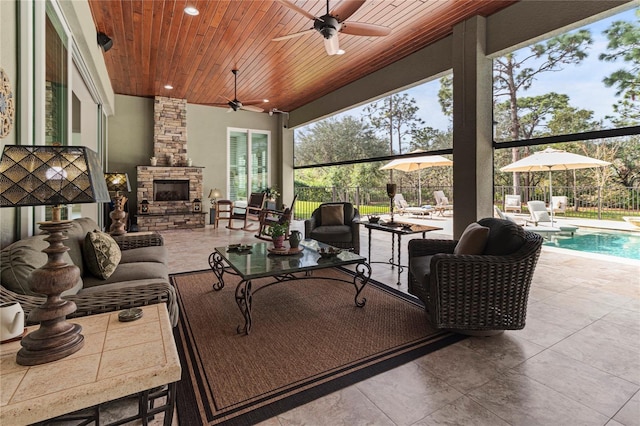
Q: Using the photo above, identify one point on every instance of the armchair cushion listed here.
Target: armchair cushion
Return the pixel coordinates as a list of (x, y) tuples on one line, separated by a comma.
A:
[(505, 237), (101, 253), (332, 214), (332, 234), (473, 240)]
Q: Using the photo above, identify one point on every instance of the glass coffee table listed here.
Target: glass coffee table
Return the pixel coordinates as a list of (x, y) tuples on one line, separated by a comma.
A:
[(258, 260)]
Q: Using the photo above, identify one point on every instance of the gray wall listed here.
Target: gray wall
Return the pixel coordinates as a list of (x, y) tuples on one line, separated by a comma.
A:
[(9, 62), (130, 140)]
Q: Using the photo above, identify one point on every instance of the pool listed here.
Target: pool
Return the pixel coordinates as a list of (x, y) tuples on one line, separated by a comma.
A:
[(612, 243)]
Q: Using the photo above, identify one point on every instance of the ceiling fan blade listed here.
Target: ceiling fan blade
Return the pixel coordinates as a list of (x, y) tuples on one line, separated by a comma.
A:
[(362, 29), (288, 36), (297, 9), (252, 108), (332, 45), (346, 8)]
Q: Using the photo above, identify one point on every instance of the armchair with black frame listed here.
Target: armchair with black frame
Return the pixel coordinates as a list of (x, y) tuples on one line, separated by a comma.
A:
[(480, 284), (270, 217), (337, 224)]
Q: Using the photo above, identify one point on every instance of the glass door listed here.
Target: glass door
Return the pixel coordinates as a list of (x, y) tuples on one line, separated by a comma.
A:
[(248, 162)]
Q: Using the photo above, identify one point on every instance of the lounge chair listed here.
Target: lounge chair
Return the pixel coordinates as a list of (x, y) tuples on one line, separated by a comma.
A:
[(512, 203), (442, 202), (539, 215), (559, 203), (501, 215), (403, 207)]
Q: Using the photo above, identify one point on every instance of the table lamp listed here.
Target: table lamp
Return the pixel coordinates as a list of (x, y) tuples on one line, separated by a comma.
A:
[(214, 194), (117, 182), (391, 192), (33, 175)]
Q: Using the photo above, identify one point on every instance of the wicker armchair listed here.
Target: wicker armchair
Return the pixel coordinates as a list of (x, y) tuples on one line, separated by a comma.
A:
[(473, 294), (95, 300), (345, 235)]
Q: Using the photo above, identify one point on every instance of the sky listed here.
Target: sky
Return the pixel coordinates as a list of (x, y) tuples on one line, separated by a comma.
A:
[(582, 82)]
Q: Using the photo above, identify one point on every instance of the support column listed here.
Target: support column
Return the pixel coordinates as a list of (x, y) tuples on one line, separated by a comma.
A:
[(472, 125)]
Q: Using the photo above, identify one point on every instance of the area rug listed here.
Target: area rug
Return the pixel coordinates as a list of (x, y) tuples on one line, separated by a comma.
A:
[(307, 340)]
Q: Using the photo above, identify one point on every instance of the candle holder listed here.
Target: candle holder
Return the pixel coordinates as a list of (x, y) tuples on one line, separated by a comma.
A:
[(391, 193)]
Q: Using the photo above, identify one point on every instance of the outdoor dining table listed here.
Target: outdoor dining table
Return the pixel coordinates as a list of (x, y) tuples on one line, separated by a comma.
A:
[(397, 229)]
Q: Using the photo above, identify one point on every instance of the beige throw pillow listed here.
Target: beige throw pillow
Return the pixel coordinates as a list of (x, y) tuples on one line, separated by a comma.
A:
[(473, 240), (332, 214), (101, 254)]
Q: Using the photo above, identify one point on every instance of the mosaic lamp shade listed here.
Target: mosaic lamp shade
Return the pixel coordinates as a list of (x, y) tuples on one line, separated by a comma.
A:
[(32, 175), (117, 182), (51, 175)]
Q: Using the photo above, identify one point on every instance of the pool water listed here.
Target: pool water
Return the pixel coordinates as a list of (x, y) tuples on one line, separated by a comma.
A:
[(612, 243)]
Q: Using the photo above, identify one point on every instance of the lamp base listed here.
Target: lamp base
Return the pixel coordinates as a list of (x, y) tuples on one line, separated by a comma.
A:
[(56, 338), (118, 216)]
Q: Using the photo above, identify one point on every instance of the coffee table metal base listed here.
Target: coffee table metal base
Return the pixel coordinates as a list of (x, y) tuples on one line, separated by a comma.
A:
[(245, 291)]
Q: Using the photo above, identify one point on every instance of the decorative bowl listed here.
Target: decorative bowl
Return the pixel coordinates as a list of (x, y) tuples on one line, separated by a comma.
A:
[(374, 219), (327, 253)]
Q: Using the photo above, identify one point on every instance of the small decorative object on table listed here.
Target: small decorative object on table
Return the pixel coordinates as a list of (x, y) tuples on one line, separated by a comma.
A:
[(239, 248), (278, 231), (329, 252), (294, 239), (130, 315), (373, 218)]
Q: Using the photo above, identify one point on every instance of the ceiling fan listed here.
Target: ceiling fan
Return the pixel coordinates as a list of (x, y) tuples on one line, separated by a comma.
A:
[(234, 104), (333, 22)]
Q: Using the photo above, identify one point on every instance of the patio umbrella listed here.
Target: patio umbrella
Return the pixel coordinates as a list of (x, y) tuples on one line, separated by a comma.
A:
[(417, 163), (553, 159)]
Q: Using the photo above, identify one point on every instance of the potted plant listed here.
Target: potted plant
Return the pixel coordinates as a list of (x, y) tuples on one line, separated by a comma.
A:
[(277, 232)]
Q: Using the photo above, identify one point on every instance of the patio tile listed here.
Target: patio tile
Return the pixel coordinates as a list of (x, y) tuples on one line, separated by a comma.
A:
[(560, 316), (463, 411), (544, 333), (408, 393), (506, 350), (629, 415), (624, 317), (592, 387), (520, 400), (579, 304)]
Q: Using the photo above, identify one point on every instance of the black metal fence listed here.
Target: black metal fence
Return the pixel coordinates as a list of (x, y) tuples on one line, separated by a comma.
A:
[(584, 202)]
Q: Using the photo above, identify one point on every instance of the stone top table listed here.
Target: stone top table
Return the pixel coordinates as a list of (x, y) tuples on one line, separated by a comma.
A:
[(118, 359)]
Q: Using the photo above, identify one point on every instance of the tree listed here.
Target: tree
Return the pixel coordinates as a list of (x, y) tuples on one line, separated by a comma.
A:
[(395, 115), (513, 74), (624, 43)]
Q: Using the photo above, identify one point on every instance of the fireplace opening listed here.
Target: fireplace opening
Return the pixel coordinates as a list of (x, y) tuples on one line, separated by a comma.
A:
[(170, 190)]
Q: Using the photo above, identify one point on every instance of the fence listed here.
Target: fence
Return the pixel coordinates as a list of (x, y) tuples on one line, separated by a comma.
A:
[(583, 202)]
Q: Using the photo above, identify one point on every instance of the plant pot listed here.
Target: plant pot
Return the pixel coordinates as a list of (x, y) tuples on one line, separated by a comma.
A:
[(278, 242)]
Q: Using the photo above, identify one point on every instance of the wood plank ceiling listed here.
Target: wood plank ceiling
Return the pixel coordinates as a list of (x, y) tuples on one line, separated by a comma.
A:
[(155, 43)]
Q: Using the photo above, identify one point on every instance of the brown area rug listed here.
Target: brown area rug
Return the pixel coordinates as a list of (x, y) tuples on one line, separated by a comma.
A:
[(308, 339)]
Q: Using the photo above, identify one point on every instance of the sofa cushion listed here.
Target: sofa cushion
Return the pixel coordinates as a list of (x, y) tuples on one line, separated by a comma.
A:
[(504, 237), (19, 259), (157, 254), (101, 254), (331, 214), (473, 240), (131, 272), (332, 233)]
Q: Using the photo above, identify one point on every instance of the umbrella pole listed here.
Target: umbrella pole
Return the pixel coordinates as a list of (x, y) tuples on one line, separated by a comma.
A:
[(419, 189), (551, 196)]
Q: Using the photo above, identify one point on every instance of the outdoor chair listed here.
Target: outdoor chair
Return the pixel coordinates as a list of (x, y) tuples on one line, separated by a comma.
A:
[(559, 203), (512, 203), (501, 215), (403, 207), (253, 209), (480, 284), (336, 224), (539, 215), (269, 217), (442, 202)]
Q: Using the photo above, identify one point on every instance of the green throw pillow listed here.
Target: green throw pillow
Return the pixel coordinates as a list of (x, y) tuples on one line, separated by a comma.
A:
[(101, 254)]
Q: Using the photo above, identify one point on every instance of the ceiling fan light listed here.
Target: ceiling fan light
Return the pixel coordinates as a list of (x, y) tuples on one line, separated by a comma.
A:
[(168, 86), (340, 52), (265, 100), (191, 10)]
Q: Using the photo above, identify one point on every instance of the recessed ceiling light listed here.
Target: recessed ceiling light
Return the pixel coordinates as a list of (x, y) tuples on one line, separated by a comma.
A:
[(190, 10), (265, 100), (340, 52), (168, 86)]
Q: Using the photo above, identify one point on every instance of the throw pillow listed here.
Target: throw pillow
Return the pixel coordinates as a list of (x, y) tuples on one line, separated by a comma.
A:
[(504, 237), (473, 240), (101, 254), (332, 214)]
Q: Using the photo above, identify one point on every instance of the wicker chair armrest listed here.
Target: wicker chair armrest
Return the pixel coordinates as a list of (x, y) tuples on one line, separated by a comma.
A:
[(309, 225), (130, 241), (426, 247), (107, 301)]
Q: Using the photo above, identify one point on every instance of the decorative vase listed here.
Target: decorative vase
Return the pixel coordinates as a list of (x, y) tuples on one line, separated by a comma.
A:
[(278, 242), (154, 161), (294, 239)]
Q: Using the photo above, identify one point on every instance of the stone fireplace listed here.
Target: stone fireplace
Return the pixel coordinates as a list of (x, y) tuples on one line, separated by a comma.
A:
[(171, 186)]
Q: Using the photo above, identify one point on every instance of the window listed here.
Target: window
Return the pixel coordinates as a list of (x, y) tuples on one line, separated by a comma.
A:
[(249, 156)]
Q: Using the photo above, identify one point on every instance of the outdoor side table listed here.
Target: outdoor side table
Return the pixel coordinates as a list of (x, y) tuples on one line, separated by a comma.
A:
[(397, 231)]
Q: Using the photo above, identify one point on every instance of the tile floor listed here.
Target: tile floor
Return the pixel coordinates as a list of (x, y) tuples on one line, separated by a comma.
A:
[(577, 362)]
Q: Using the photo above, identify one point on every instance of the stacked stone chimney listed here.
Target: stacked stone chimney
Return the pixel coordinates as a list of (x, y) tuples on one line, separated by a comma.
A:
[(170, 131)]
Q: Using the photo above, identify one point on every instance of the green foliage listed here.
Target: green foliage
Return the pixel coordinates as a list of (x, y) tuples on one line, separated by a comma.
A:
[(277, 229), (395, 116)]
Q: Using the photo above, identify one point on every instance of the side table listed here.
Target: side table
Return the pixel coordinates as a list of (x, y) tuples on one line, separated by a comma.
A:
[(118, 359)]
